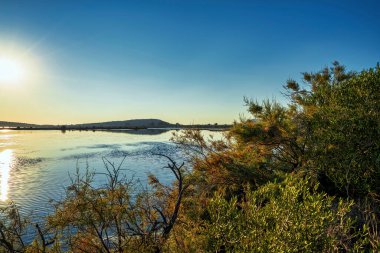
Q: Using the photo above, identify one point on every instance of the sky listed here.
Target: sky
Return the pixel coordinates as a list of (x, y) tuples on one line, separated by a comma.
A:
[(181, 61)]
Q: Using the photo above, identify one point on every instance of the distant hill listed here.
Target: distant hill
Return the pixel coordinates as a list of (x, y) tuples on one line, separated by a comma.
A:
[(124, 124), (17, 124), (133, 123)]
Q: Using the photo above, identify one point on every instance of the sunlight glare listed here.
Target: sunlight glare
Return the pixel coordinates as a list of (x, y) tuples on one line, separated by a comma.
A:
[(11, 71), (6, 158)]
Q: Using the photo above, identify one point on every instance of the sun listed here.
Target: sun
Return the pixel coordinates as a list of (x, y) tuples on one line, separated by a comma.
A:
[(11, 71)]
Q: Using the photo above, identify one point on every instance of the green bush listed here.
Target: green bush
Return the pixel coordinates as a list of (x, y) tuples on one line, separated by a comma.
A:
[(291, 216)]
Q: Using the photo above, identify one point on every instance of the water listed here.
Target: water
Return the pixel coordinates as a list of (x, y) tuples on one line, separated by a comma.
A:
[(35, 165)]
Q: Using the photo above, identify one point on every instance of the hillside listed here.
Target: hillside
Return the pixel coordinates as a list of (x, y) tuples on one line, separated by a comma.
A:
[(17, 124), (133, 123)]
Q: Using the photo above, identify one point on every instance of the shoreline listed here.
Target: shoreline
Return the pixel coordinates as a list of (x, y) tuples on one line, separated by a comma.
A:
[(219, 128)]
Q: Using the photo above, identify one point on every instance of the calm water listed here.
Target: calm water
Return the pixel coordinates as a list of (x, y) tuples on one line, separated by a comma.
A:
[(35, 165)]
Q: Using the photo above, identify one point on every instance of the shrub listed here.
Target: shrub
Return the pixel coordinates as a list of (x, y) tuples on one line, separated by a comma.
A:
[(291, 216)]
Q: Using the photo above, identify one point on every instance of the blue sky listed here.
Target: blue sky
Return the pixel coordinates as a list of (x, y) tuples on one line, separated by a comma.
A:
[(181, 61)]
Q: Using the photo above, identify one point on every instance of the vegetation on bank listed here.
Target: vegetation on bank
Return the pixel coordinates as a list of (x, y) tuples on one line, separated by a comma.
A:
[(302, 177)]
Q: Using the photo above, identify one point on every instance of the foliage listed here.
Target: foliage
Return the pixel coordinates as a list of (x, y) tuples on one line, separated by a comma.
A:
[(331, 128), (291, 216), (12, 228), (117, 217), (344, 114), (329, 131)]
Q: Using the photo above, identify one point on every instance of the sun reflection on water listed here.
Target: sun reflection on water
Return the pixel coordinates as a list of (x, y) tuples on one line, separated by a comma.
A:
[(6, 158)]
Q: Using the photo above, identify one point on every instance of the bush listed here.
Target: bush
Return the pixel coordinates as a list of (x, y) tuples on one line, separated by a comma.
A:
[(291, 216)]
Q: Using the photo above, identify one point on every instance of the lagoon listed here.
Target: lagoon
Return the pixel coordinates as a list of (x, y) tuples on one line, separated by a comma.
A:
[(35, 166)]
